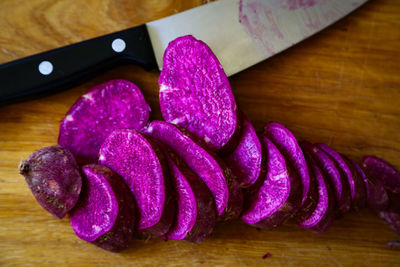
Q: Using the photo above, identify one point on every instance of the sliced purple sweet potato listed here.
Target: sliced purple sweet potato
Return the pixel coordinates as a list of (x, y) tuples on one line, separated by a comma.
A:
[(376, 195), (289, 147), (116, 104), (195, 94), (141, 164), (329, 170), (356, 185), (310, 204), (391, 218), (53, 176), (323, 214), (220, 180), (247, 160), (363, 177), (105, 213), (362, 190), (278, 195), (196, 214), (381, 170)]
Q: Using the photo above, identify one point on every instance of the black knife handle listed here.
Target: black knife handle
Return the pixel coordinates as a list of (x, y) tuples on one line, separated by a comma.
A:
[(66, 66)]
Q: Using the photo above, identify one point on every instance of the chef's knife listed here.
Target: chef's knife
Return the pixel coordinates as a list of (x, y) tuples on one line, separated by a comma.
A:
[(240, 32)]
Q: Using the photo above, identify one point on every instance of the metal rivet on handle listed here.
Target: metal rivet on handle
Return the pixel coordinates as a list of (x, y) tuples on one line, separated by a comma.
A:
[(45, 67), (118, 45)]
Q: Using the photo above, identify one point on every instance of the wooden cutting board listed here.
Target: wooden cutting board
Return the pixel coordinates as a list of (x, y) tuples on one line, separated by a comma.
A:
[(341, 87)]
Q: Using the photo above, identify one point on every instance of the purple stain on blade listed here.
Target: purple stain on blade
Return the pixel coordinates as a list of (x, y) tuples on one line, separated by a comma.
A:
[(259, 21), (312, 19), (297, 4)]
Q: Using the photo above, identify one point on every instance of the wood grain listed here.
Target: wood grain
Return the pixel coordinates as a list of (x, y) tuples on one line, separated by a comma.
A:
[(341, 87)]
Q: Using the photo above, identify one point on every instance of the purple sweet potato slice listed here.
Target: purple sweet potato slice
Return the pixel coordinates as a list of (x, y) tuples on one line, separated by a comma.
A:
[(247, 160), (279, 193), (220, 180), (195, 93), (289, 147), (361, 188), (105, 213), (356, 186), (310, 204), (391, 218), (196, 214), (116, 104), (364, 178), (53, 176), (331, 173), (381, 170), (141, 164), (376, 195), (323, 214)]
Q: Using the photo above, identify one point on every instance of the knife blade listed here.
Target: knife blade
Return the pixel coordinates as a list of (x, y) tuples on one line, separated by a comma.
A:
[(240, 32), (243, 33)]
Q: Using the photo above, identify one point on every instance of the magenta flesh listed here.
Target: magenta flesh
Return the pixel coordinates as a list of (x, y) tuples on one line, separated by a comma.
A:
[(116, 104), (195, 92), (196, 213), (331, 173), (53, 176), (278, 195), (105, 213), (323, 214), (289, 147), (246, 160), (392, 219), (341, 165), (196, 157), (354, 183), (140, 163)]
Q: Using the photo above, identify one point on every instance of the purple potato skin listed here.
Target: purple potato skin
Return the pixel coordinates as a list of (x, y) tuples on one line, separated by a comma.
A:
[(195, 94), (116, 104), (247, 161), (324, 213), (196, 213), (117, 233), (384, 171), (381, 170), (272, 200), (377, 197), (331, 173), (53, 176), (201, 162), (289, 147), (139, 161)]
